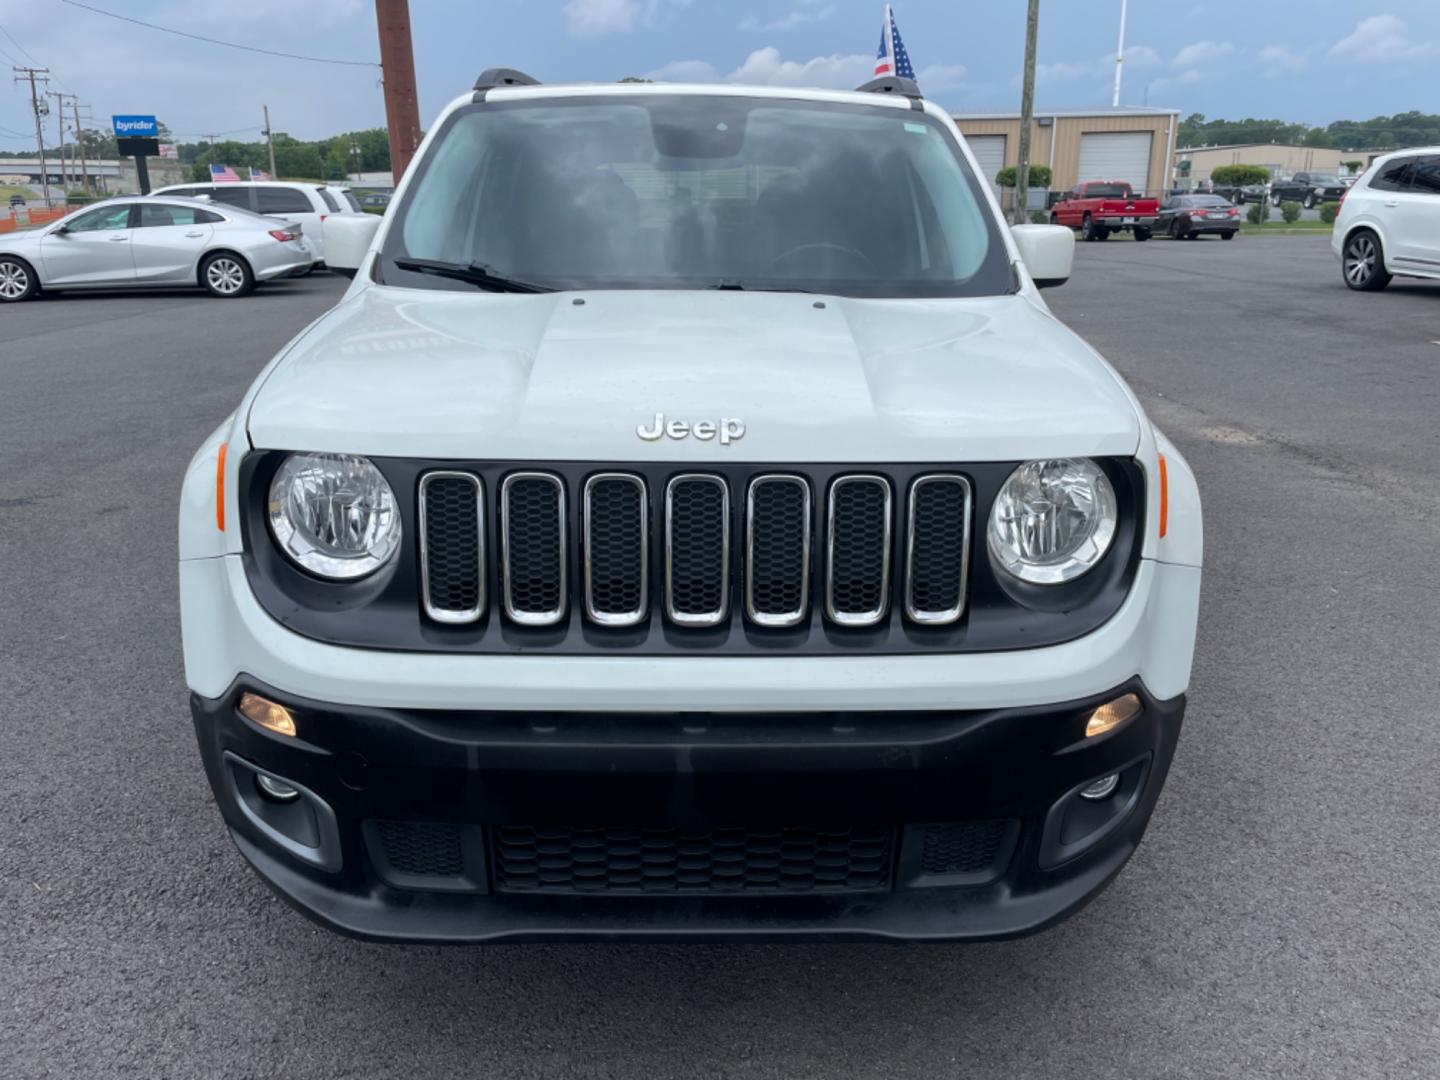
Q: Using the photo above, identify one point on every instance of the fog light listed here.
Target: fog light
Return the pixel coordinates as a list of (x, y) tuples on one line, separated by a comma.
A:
[(1111, 715), (268, 714), (1102, 788), (275, 790)]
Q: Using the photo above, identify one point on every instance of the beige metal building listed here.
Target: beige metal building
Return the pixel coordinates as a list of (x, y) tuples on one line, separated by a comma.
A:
[(1281, 159), (1091, 144)]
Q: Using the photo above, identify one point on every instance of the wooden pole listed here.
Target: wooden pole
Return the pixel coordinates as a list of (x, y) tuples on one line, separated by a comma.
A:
[(397, 60), (1027, 113), (270, 143)]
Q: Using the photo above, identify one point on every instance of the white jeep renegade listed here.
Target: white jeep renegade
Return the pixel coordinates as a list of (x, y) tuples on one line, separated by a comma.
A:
[(691, 522)]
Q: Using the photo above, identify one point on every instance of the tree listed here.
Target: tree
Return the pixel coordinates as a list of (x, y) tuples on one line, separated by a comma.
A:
[(1319, 137), (1040, 176), (1354, 166), (1239, 175)]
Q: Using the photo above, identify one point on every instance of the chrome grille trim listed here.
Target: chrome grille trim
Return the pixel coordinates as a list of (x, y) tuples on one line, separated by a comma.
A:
[(876, 615), (797, 615), (445, 615), (950, 615), (708, 618), (618, 618), (531, 618)]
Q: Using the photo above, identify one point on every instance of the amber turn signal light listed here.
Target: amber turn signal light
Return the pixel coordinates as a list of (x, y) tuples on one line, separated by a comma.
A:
[(268, 714), (1112, 714)]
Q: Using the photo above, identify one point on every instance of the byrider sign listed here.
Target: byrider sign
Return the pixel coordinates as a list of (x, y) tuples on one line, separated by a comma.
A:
[(143, 127)]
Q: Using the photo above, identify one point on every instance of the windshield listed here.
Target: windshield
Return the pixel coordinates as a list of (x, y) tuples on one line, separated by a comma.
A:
[(1323, 178), (1107, 191), (1205, 200), (700, 191)]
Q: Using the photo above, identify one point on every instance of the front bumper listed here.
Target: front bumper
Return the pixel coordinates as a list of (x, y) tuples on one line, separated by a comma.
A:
[(1016, 771)]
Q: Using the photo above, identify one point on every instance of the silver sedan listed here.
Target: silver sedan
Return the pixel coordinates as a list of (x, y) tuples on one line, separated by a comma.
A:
[(156, 242)]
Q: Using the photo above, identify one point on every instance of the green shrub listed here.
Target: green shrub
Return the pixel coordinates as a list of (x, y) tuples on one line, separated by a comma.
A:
[(1290, 211), (1239, 175), (1039, 176), (1256, 213), (1328, 212), (1039, 217)]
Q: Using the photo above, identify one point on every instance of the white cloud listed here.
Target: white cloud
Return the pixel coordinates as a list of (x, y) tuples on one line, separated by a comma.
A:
[(806, 11), (1382, 39), (592, 18), (1202, 54), (766, 67), (685, 71), (940, 77), (1136, 57), (1277, 60), (595, 18)]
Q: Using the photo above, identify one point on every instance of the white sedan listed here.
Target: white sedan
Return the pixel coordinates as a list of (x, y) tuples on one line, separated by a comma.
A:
[(151, 243)]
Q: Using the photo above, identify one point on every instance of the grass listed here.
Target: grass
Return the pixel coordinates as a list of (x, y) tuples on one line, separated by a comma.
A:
[(1280, 228)]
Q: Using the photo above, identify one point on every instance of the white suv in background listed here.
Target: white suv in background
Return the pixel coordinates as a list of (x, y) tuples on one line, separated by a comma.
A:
[(303, 204), (1389, 221)]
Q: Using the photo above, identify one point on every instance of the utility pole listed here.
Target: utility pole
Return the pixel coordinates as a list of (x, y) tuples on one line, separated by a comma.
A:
[(1027, 112), (59, 95), (397, 61), (31, 75), (80, 142), (1119, 56), (270, 143)]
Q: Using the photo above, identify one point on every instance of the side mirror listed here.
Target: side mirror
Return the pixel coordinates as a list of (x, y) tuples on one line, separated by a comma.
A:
[(347, 241), (1048, 252), (60, 230)]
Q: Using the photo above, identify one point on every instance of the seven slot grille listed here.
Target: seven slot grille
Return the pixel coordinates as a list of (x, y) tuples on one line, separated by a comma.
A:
[(769, 530)]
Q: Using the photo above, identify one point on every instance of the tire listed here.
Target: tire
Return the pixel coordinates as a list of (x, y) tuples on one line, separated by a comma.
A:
[(1309, 202), (1276, 198), (17, 280), (1088, 231), (1239, 199), (226, 276), (1363, 262), (1176, 233), (1141, 234), (1054, 219), (1227, 236)]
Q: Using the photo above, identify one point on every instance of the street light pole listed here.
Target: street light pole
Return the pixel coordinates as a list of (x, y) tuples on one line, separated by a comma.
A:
[(1027, 113)]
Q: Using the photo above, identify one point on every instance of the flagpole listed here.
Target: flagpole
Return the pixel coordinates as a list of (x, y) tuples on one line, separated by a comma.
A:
[(1119, 55)]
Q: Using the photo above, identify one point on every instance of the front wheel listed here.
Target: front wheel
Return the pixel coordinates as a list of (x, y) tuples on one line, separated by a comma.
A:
[(17, 280), (1227, 236), (1176, 232), (1309, 202), (1239, 198), (1276, 198), (1364, 263), (1054, 219), (1142, 233), (226, 275)]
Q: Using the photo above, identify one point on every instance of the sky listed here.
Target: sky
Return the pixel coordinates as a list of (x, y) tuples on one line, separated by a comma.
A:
[(1341, 59)]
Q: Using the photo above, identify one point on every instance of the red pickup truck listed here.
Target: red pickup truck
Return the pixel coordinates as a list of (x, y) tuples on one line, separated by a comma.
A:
[(1100, 207)]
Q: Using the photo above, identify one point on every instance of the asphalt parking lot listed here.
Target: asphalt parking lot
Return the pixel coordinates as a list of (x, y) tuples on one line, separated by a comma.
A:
[(1281, 919)]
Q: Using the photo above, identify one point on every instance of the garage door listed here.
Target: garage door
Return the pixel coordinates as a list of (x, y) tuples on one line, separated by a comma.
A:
[(989, 151), (1116, 155)]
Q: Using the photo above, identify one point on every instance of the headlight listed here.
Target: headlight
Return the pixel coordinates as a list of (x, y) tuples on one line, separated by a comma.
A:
[(1319, 191), (334, 515), (1053, 520)]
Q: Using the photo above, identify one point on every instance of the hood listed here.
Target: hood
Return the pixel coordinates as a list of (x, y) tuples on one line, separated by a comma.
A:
[(569, 376)]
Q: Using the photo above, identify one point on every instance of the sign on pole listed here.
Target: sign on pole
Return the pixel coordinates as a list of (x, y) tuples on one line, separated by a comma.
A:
[(141, 126)]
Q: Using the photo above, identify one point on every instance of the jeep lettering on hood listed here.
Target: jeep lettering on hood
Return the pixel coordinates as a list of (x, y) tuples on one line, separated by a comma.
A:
[(729, 429)]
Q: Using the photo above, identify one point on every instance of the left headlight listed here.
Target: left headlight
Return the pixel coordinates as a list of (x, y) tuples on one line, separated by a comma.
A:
[(1053, 520), (334, 515)]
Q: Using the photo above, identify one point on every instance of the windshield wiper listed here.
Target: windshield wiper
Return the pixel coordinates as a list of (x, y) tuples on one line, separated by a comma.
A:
[(477, 274), (736, 285)]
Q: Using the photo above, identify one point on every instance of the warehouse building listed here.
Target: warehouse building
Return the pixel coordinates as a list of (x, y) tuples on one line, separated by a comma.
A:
[(1131, 144), (1282, 159)]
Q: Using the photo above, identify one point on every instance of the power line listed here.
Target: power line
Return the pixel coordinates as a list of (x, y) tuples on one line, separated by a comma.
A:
[(217, 41), (17, 44)]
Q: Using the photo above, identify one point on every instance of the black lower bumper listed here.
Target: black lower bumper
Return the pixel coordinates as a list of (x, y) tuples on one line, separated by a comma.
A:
[(423, 825)]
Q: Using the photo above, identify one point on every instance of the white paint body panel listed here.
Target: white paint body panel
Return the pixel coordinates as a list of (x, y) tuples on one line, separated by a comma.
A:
[(448, 374)]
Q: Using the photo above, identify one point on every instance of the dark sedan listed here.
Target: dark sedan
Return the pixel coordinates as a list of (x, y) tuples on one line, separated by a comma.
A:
[(1308, 189), (1185, 217)]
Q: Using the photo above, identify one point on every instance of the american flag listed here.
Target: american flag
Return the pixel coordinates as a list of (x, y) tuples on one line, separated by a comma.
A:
[(223, 174), (892, 59), (260, 174)]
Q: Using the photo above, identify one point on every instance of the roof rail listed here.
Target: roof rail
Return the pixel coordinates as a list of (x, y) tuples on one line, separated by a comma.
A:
[(491, 78), (894, 84)]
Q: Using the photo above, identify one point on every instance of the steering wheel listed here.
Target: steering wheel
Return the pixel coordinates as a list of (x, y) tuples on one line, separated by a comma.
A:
[(854, 253)]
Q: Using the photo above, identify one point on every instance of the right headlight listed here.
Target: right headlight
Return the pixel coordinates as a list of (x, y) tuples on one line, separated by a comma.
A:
[(1053, 520), (334, 515)]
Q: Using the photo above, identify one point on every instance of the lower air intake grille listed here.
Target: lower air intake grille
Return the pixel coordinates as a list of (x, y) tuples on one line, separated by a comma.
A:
[(967, 847), (422, 849), (741, 860)]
